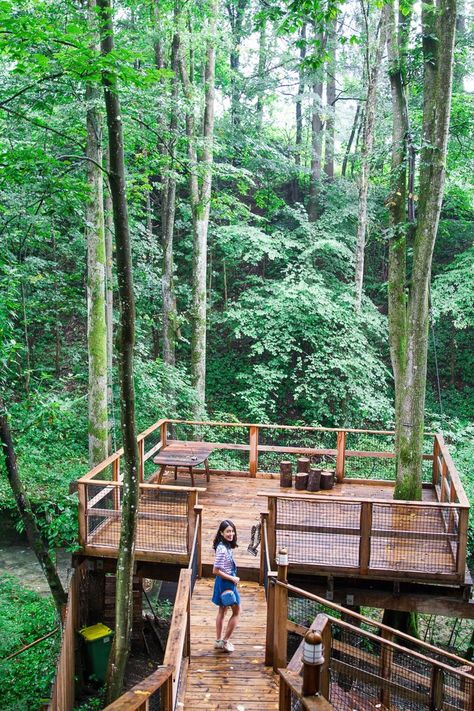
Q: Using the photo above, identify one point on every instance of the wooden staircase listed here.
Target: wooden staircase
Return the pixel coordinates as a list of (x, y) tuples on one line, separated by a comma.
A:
[(240, 680)]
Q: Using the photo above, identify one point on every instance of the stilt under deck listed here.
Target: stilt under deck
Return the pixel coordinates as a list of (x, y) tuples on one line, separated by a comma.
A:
[(239, 680)]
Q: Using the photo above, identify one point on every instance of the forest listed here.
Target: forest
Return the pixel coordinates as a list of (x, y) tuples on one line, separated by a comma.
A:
[(286, 181)]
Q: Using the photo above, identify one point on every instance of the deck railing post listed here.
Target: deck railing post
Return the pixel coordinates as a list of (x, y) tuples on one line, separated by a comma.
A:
[(198, 515), (436, 688), (141, 460), (253, 457), (463, 525), (164, 434), (192, 499), (386, 657), (271, 530), (116, 477), (436, 452), (365, 531), (167, 695), (280, 631), (284, 698), (82, 513), (263, 525), (341, 455), (270, 619)]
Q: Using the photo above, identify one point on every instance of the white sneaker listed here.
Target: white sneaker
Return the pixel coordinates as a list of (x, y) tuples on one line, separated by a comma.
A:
[(227, 646), (219, 644)]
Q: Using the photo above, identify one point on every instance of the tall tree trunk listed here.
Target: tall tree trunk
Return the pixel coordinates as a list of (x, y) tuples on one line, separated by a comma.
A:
[(262, 63), (109, 300), (316, 140), (408, 313), (96, 258), (316, 146), (236, 13), (126, 552), (200, 190), (351, 140), (299, 97), (170, 316), (27, 516), (372, 73), (330, 102)]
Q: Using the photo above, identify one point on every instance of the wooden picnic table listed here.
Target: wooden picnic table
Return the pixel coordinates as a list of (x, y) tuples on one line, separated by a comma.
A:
[(184, 454)]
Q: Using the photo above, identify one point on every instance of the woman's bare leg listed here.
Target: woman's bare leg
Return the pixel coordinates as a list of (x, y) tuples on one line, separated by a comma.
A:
[(220, 622), (232, 623)]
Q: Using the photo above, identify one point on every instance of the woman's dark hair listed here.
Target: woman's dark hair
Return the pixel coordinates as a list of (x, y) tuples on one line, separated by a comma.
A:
[(220, 538)]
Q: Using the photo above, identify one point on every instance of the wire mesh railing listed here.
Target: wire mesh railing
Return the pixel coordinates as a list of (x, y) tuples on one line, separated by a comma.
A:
[(368, 669), (370, 537), (164, 519)]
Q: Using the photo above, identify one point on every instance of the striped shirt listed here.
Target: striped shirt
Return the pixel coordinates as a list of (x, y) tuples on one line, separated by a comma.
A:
[(224, 559)]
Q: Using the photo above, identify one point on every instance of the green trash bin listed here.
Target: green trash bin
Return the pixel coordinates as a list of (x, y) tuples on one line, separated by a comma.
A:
[(98, 642)]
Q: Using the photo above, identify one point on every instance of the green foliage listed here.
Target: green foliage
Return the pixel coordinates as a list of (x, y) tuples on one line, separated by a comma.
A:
[(25, 680)]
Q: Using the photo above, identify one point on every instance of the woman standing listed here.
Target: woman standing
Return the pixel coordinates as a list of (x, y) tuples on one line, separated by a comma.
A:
[(225, 593)]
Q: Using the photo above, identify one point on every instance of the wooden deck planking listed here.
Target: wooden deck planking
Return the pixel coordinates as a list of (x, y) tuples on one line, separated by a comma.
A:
[(240, 680)]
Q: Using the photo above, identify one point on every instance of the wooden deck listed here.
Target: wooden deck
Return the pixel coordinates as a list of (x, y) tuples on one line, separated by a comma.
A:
[(354, 529), (240, 680), (243, 499)]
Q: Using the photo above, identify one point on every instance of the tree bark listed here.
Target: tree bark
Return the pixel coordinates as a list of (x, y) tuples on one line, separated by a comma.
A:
[(316, 145), (262, 63), (351, 140), (109, 300), (126, 552), (96, 265), (200, 191), (236, 13), (330, 102), (408, 309), (366, 153), (299, 97), (27, 516), (170, 316)]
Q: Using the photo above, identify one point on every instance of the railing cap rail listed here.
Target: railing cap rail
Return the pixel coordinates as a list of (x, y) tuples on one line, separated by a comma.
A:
[(351, 500), (396, 633), (134, 699)]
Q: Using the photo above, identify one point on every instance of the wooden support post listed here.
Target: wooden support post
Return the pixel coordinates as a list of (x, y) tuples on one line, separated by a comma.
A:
[(436, 451), (167, 695), (263, 523), (437, 689), (386, 657), (253, 458), (365, 533), (164, 434), (192, 501), (270, 619), (82, 512), (272, 516), (341, 455), (284, 701), (141, 460), (198, 515), (116, 477), (463, 526), (280, 631)]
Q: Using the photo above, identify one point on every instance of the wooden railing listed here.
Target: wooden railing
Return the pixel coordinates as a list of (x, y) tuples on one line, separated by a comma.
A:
[(376, 538), (170, 679), (377, 524), (361, 655), (138, 698), (63, 690)]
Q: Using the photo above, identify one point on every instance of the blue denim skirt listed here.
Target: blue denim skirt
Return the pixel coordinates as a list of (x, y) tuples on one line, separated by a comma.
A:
[(219, 586)]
